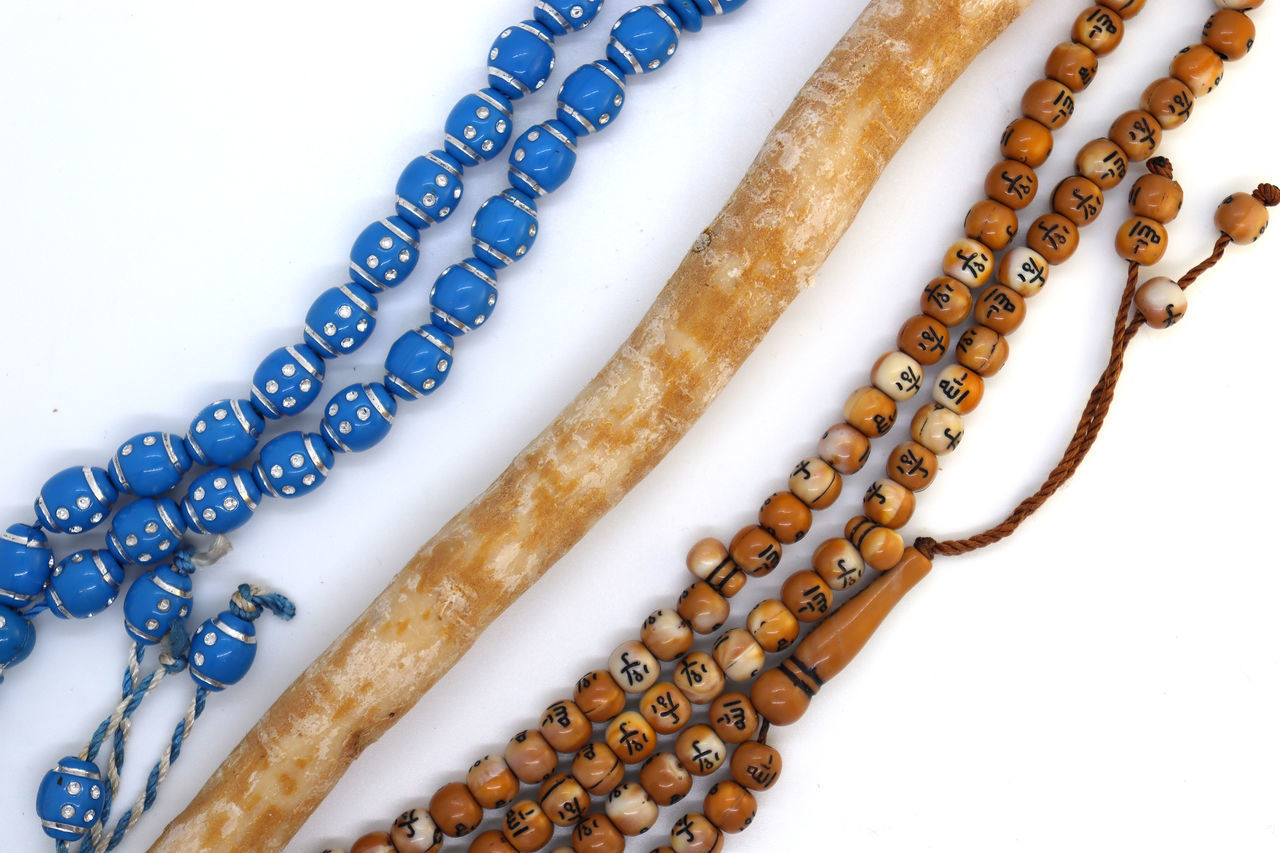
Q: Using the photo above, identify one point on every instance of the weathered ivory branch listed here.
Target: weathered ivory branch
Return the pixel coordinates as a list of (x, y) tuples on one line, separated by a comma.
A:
[(799, 196)]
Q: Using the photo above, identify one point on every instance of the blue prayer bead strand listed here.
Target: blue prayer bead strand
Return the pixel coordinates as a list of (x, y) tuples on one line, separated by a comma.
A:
[(149, 464), (504, 228), (687, 12), (145, 531), (418, 362), (69, 800), (26, 561), (17, 637), (384, 254), (543, 158), (220, 500), (718, 7), (430, 188), (224, 432), (592, 96), (564, 16), (644, 39), (287, 381), (83, 584), (340, 320), (75, 499), (358, 417), (154, 601), (479, 127), (463, 297), (521, 59), (293, 464)]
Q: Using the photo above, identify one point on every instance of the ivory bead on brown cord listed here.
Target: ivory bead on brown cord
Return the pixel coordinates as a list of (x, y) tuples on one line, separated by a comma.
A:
[(946, 300), (1103, 162), (1199, 67), (772, 625), (1027, 141), (843, 448), (635, 669), (526, 826), (664, 778), (597, 768), (1155, 197), (733, 717), (910, 464), (666, 708), (564, 726), (530, 757), (631, 737), (806, 595), (889, 503), (924, 338), (703, 608), (1242, 217), (1229, 33), (1137, 133), (667, 635), (1000, 308), (785, 517), (563, 799), (1169, 100), (1011, 183), (1072, 64), (709, 560), (599, 696), (991, 223), (492, 782), (1098, 28), (374, 842), (1078, 199), (454, 810), (983, 350), (1054, 236), (1161, 302), (1142, 240), (838, 563), (693, 833), (729, 806), (897, 375), (415, 832), (755, 550), (937, 428), (738, 654), (631, 809), (959, 389), (1050, 103), (597, 834), (969, 262), (881, 547), (490, 841), (1024, 269), (870, 411), (815, 483), (700, 750), (699, 677)]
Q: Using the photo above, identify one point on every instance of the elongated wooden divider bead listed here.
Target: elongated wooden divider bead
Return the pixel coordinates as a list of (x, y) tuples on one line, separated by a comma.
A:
[(667, 635), (738, 654), (815, 483), (1050, 103), (1241, 217), (666, 708), (889, 503), (924, 338), (703, 608), (946, 300), (527, 827), (1169, 100), (597, 834), (1137, 133), (415, 832), (773, 625), (699, 677), (1026, 141), (597, 768), (700, 750), (982, 350), (1099, 29), (631, 809), (693, 833), (968, 261), (1142, 240), (1155, 197), (1161, 302), (1103, 162), (729, 806), (599, 696), (756, 766), (782, 694), (454, 810), (1199, 67), (490, 841), (563, 799), (959, 389), (565, 727), (665, 779), (1229, 33), (374, 842), (733, 717), (870, 411), (785, 517), (755, 550), (1078, 199), (991, 223), (530, 757), (1054, 236), (492, 782), (838, 563), (631, 737), (1072, 64), (844, 449)]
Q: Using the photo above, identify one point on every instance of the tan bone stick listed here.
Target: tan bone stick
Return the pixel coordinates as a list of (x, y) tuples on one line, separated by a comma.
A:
[(797, 199)]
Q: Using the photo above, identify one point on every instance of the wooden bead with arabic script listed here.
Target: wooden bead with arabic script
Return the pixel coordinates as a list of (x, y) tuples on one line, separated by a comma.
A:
[(1054, 236), (1048, 102), (700, 750), (756, 766), (969, 261), (563, 724), (733, 717), (1169, 100), (1137, 133), (635, 669), (374, 842), (530, 757), (1142, 240), (631, 808), (1025, 270), (1011, 183), (924, 338), (454, 810), (889, 503), (910, 464), (1199, 67), (563, 799), (982, 350), (785, 517), (1072, 64), (491, 782), (992, 223), (1026, 141), (599, 697), (527, 827), (843, 448), (667, 635), (631, 737), (806, 595), (1078, 199), (1228, 33), (815, 483), (490, 841), (666, 708), (1099, 29), (597, 768), (1124, 8), (738, 654), (937, 428), (1103, 162), (699, 677), (1156, 197), (709, 560), (415, 832), (665, 779), (755, 550), (1000, 308), (838, 563), (693, 833), (897, 374), (1241, 217), (703, 608), (772, 625), (1161, 302), (729, 806), (959, 389), (870, 411), (946, 300), (597, 834)]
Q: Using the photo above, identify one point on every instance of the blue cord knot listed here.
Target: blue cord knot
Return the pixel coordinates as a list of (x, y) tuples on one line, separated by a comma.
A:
[(182, 561), (249, 602)]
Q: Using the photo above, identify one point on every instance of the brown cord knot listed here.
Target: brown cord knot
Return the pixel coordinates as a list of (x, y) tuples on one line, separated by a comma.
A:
[(1268, 194), (1160, 166), (926, 545)]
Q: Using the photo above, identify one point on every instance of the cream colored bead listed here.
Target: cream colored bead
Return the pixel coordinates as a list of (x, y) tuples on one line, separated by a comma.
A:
[(815, 482), (709, 560), (772, 625), (415, 832), (1239, 5), (667, 634), (838, 563), (937, 428), (898, 375), (889, 503), (1024, 270), (1161, 302), (631, 808), (969, 262), (699, 677), (738, 654), (958, 388), (700, 750), (844, 448), (634, 667)]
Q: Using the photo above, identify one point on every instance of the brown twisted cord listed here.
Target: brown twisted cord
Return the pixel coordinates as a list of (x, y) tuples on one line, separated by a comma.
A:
[(1095, 412)]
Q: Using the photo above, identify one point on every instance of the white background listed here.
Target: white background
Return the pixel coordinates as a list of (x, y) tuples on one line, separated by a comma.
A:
[(180, 180)]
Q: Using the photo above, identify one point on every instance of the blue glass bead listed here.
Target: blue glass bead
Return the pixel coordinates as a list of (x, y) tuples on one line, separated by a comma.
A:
[(687, 12), (154, 601), (718, 7), (340, 320), (25, 563), (418, 362), (224, 432), (561, 16), (69, 801), (521, 59), (592, 96), (479, 127), (75, 500), (84, 583), (384, 254), (504, 228), (221, 500), (429, 189), (644, 39), (543, 158), (17, 637), (145, 531), (287, 381), (358, 417), (463, 297), (149, 464), (293, 464), (222, 650)]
